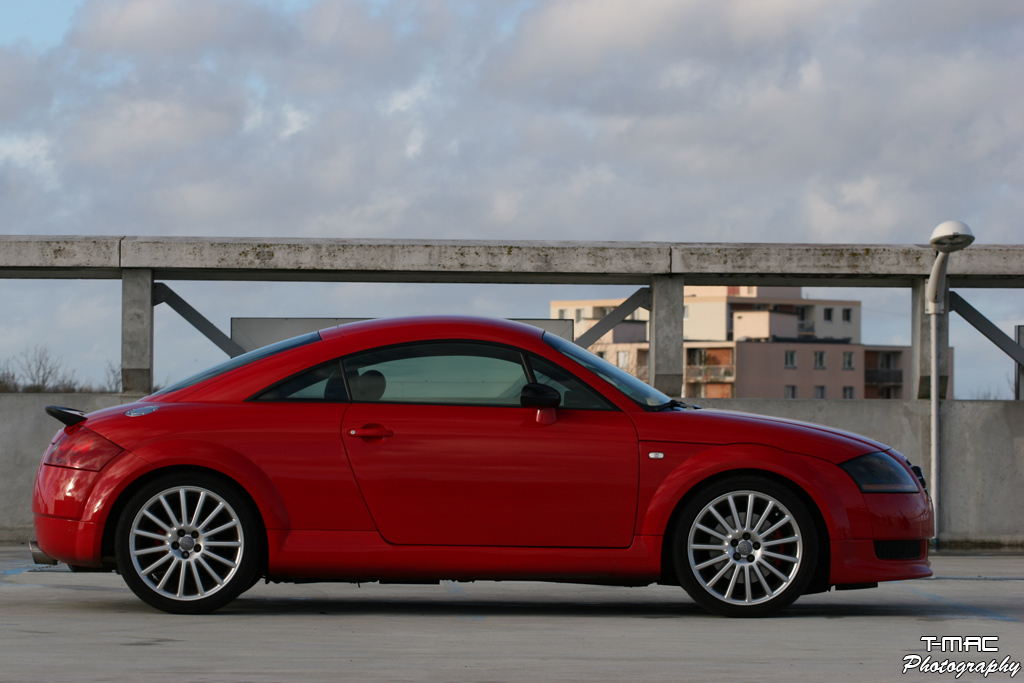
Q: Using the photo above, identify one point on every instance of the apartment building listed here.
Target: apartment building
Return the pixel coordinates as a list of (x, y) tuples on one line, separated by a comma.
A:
[(756, 342)]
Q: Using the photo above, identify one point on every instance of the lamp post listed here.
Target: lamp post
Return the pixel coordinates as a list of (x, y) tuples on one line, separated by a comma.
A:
[(946, 238)]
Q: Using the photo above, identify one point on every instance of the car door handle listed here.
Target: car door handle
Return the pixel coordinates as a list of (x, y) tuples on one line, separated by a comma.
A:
[(371, 432)]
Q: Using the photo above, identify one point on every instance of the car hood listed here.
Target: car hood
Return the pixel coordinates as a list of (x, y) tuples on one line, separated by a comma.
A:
[(721, 427)]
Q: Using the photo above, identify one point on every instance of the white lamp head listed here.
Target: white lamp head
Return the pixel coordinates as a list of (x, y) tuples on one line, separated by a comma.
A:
[(951, 236)]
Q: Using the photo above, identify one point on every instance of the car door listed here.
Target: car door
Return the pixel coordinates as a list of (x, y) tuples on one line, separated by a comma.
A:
[(445, 455)]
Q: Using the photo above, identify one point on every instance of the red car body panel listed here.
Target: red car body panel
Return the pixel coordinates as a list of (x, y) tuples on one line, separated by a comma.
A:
[(495, 476), (466, 492)]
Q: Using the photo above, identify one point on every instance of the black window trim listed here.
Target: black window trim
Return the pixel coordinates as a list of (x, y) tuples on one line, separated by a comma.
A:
[(523, 359)]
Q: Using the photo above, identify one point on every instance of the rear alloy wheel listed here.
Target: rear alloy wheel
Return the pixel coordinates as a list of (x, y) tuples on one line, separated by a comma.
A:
[(188, 544), (745, 547)]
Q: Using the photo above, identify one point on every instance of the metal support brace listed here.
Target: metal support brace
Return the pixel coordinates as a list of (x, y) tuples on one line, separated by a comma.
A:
[(640, 299), (987, 328), (162, 294), (1018, 383)]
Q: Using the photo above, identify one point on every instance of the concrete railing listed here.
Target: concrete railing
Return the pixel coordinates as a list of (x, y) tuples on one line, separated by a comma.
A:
[(982, 452)]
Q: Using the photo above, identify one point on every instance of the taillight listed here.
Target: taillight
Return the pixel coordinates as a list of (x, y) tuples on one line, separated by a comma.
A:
[(81, 449)]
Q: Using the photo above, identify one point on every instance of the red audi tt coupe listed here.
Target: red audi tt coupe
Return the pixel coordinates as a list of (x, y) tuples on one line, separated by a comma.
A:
[(425, 449)]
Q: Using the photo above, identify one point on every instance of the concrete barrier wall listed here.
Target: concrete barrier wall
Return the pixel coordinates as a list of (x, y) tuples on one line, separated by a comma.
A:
[(982, 462), (25, 431)]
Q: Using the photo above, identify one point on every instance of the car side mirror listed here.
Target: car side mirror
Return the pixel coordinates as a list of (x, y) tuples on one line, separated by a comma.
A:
[(542, 397)]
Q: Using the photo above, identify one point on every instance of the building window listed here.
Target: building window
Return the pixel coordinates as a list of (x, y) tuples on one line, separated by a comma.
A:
[(847, 360), (819, 392), (819, 360), (622, 359), (790, 391), (579, 315), (562, 313), (827, 314), (790, 359), (847, 315), (847, 392), (686, 312), (599, 354)]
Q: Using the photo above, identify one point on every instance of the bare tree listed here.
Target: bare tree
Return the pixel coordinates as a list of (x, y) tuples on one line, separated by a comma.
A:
[(8, 378), (42, 371), (112, 378)]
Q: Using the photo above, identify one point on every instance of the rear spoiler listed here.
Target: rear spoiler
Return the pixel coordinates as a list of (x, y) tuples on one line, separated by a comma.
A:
[(68, 416)]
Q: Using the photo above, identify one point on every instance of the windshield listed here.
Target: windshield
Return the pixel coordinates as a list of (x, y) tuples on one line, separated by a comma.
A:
[(642, 393), (244, 359)]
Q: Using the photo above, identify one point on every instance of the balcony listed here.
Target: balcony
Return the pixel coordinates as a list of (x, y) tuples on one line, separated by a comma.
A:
[(710, 373), (883, 377), (805, 327)]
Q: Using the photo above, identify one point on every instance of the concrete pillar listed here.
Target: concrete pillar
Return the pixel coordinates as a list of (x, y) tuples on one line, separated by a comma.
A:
[(920, 385), (137, 330), (667, 363)]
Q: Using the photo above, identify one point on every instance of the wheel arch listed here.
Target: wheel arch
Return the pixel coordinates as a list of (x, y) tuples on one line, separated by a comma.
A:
[(107, 544), (820, 579)]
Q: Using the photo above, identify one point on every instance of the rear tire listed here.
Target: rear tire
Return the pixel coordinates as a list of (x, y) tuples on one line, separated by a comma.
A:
[(188, 543), (745, 546)]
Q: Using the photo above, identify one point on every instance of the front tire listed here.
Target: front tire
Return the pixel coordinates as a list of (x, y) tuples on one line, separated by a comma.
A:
[(745, 546), (188, 543)]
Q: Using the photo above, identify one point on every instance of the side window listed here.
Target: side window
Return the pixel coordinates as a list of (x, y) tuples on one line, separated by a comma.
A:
[(575, 394), (322, 383), (463, 373)]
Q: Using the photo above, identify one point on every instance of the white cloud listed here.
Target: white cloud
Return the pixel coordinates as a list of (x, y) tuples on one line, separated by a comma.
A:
[(295, 121), (790, 120), (32, 153)]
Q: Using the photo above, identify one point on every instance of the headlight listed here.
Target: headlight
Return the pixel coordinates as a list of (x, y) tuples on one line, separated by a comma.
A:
[(880, 473)]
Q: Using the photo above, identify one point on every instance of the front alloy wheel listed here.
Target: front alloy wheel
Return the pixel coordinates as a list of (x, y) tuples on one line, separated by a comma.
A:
[(186, 544), (745, 546)]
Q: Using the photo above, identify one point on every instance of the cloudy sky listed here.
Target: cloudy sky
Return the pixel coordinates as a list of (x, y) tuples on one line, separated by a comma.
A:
[(679, 120)]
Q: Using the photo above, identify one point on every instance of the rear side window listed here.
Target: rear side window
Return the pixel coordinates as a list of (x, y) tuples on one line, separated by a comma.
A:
[(325, 383), (244, 359)]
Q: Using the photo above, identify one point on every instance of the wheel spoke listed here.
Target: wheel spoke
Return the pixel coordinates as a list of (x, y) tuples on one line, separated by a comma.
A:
[(181, 579), (199, 506), (775, 527), (216, 577), (721, 520), (735, 515), (750, 512), (711, 532), (732, 583), (709, 547), (224, 544), (159, 522), (712, 561), (760, 577), (225, 560), (184, 507), (221, 528), (746, 583), (775, 571), (149, 551), (209, 517), (717, 577), (174, 520), (777, 541), (149, 534), (199, 582), (764, 516), (167, 574), (149, 570), (784, 558)]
